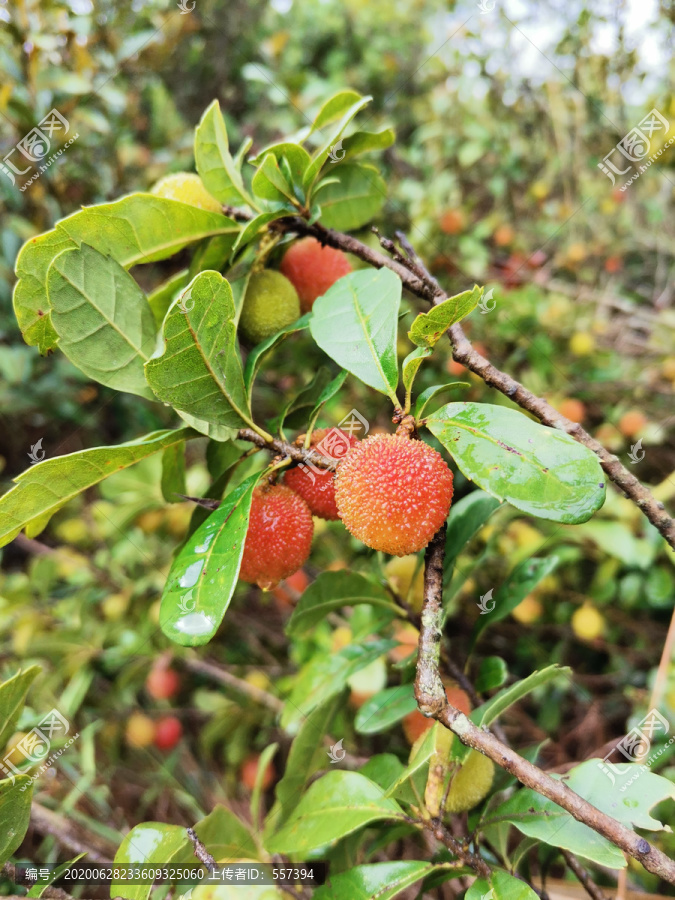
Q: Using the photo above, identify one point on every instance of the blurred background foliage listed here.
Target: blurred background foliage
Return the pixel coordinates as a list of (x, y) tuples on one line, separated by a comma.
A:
[(501, 119)]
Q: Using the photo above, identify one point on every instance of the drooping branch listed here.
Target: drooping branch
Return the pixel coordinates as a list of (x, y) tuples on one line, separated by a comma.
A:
[(418, 281), (432, 701)]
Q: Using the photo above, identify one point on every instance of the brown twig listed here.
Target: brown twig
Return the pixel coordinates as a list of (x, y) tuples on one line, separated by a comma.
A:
[(441, 833), (432, 701), (47, 822), (217, 673), (288, 451), (589, 885), (200, 851)]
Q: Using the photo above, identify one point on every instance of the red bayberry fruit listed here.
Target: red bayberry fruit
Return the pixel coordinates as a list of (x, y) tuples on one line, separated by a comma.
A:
[(393, 493), (162, 682), (249, 772), (317, 486), (312, 269), (168, 731), (279, 536)]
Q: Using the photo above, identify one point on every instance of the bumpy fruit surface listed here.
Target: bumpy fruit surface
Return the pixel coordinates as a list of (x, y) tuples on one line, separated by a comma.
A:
[(415, 724), (471, 783), (168, 732), (317, 487), (162, 682), (249, 772), (279, 536), (140, 730), (312, 269), (393, 493), (270, 304), (188, 188)]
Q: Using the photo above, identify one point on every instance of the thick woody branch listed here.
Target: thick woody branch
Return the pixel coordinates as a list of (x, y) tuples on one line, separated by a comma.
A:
[(418, 281), (589, 885), (432, 701), (288, 451)]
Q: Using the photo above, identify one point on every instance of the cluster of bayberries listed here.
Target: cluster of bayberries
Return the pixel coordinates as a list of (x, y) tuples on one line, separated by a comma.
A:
[(391, 492)]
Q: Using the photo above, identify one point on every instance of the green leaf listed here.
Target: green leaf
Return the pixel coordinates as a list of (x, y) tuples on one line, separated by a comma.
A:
[(15, 800), (300, 763), (325, 676), (422, 756), (540, 470), (173, 473), (226, 837), (331, 591), (197, 368), (326, 394), (260, 351), (49, 485), (487, 713), (365, 142), (221, 176), (162, 297), (307, 397), (334, 806), (429, 328), (377, 881), (492, 674), (411, 365), (139, 228), (253, 227), (296, 156), (385, 709), (38, 889), (204, 574), (335, 107), (466, 518), (354, 200), (12, 698), (520, 582), (354, 322), (270, 183), (430, 393), (347, 113), (102, 317), (264, 761), (502, 886), (628, 798), (147, 844)]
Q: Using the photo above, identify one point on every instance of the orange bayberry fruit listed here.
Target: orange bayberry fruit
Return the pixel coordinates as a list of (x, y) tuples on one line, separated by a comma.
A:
[(572, 409), (393, 493), (317, 487), (632, 422), (162, 682), (312, 269), (279, 536), (249, 773), (415, 724)]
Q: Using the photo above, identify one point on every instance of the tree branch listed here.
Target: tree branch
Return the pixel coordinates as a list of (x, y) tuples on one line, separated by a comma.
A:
[(287, 450), (589, 885), (432, 701)]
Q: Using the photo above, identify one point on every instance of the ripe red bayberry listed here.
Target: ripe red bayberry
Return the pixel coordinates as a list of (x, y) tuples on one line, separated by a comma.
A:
[(312, 269), (168, 731), (279, 536), (393, 493), (317, 486), (162, 682)]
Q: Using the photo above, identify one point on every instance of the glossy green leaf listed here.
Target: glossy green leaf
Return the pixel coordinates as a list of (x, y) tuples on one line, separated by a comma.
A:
[(102, 317), (354, 200), (49, 485), (12, 698), (173, 473), (270, 183), (260, 351), (219, 172), (540, 470), (15, 800), (147, 844), (139, 228), (354, 322), (365, 142), (335, 107), (296, 156), (334, 806), (377, 881), (162, 297), (38, 889), (495, 707), (197, 369), (423, 754), (226, 837), (331, 143), (300, 765), (331, 591), (411, 365), (325, 676), (492, 674), (467, 517), (520, 582), (626, 793), (264, 760), (326, 394), (502, 886), (253, 227), (428, 328), (385, 709), (202, 579), (432, 392)]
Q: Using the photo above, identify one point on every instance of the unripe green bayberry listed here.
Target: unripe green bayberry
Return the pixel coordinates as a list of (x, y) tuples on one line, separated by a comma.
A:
[(270, 303)]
